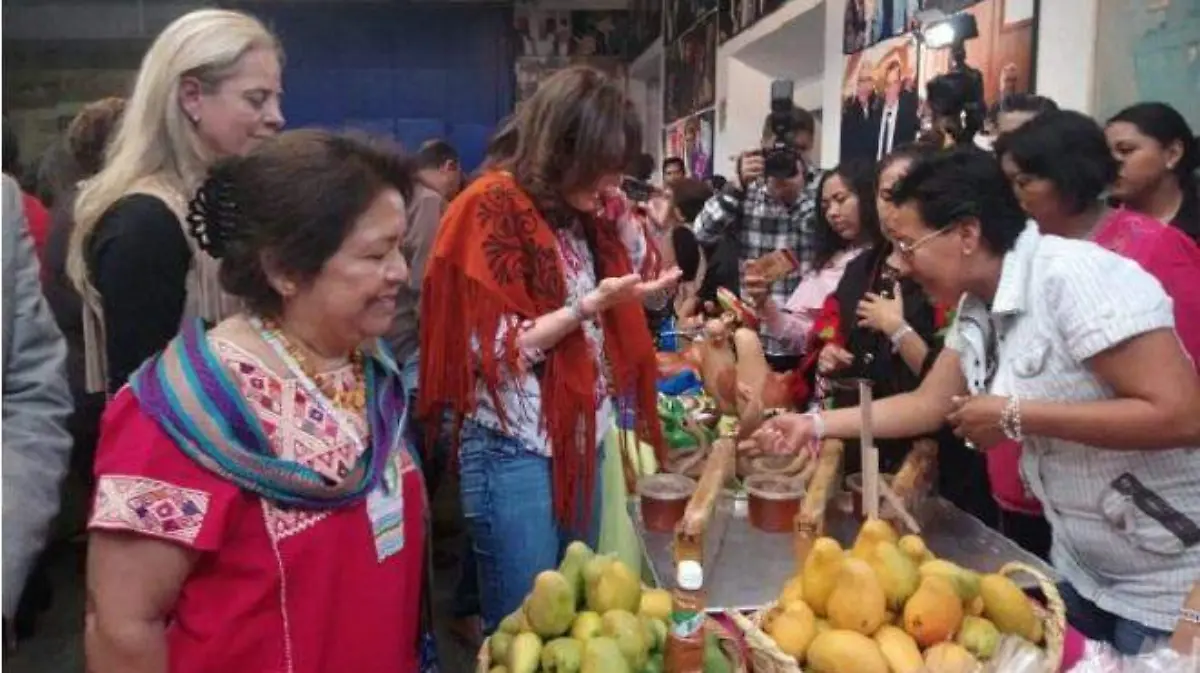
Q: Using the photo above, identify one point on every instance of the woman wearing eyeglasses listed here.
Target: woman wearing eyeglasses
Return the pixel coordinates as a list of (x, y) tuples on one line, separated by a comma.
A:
[(881, 327), (1071, 350)]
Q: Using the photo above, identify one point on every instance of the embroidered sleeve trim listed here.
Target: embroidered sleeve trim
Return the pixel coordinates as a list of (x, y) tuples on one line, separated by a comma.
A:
[(150, 507)]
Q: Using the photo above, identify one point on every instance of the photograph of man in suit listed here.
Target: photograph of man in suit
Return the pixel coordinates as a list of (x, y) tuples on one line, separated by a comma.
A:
[(897, 120), (858, 112)]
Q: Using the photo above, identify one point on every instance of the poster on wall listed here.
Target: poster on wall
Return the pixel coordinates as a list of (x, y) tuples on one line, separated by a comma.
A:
[(679, 16), (869, 22), (691, 139), (738, 15), (543, 33), (691, 70), (1003, 52), (531, 71), (1150, 53), (601, 33), (647, 19), (880, 103)]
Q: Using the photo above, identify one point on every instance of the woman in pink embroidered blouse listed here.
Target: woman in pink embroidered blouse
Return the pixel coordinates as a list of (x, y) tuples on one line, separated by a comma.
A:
[(1059, 164), (846, 224), (256, 507)]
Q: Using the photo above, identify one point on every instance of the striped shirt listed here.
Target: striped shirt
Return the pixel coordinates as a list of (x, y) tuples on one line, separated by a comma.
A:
[(763, 225), (1059, 303)]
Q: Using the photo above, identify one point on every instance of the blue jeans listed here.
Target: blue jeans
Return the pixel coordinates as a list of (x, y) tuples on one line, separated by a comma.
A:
[(1126, 636), (507, 498), (433, 465)]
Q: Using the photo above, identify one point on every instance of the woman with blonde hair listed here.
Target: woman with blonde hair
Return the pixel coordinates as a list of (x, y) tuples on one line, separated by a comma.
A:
[(209, 87)]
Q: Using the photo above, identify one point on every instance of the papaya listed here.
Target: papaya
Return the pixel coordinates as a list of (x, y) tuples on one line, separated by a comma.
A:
[(842, 651), (858, 602)]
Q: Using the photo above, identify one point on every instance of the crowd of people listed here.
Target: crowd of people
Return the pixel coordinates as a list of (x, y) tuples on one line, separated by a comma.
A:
[(294, 336)]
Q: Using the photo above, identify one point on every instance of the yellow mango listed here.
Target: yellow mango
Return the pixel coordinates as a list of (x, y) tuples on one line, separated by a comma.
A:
[(857, 602), (841, 651)]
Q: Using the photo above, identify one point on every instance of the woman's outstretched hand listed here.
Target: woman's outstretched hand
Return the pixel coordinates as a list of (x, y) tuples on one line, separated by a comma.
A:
[(785, 434), (618, 290)]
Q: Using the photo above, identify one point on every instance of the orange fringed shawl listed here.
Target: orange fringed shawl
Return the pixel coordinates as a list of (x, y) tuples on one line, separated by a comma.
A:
[(495, 255)]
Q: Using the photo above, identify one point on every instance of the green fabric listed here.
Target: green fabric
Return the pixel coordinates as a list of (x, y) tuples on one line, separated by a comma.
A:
[(617, 533)]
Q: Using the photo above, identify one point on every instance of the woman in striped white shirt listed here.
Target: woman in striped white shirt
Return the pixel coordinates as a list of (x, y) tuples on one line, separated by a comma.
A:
[(1070, 349)]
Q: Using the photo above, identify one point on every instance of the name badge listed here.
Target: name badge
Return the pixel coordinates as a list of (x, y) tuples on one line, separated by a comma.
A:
[(385, 508)]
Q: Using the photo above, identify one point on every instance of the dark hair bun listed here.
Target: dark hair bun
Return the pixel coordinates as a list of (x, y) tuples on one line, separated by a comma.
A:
[(213, 217)]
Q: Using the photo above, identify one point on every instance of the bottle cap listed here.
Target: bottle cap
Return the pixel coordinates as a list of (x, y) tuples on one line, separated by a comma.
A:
[(689, 576)]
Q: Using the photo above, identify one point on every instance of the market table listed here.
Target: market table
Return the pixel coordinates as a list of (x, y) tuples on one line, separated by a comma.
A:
[(745, 568)]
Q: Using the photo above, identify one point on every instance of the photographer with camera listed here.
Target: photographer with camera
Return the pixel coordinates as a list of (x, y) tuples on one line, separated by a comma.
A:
[(768, 206)]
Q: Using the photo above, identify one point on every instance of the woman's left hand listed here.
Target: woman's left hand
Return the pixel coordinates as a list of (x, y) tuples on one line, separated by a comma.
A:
[(976, 418), (881, 314)]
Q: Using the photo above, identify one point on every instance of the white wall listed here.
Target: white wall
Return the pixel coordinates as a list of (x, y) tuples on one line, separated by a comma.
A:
[(646, 93), (1066, 52)]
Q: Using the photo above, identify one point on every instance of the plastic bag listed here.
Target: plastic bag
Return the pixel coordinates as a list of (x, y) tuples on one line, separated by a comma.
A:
[(1102, 658), (617, 533)]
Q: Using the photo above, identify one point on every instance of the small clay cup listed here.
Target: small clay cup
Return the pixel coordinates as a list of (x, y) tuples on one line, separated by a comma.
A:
[(854, 486), (773, 502), (664, 498)]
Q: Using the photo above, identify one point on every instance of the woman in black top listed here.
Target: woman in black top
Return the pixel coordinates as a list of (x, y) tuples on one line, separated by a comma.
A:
[(870, 334), (209, 87)]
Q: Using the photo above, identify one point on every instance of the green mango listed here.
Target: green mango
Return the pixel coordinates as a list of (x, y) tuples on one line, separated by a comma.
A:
[(715, 660), (525, 653), (562, 655), (655, 665), (498, 645), (574, 560), (601, 655)]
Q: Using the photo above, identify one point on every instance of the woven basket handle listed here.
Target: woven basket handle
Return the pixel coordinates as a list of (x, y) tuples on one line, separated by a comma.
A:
[(1056, 621)]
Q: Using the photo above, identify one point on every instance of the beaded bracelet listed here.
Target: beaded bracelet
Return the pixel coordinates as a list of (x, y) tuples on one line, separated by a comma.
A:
[(1010, 419), (1190, 615)]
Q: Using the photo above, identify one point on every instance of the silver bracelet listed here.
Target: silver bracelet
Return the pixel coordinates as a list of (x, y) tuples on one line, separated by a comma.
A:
[(898, 336), (1010, 419), (1189, 615), (818, 424)]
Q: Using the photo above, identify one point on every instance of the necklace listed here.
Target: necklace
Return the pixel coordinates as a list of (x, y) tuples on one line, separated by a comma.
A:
[(347, 398)]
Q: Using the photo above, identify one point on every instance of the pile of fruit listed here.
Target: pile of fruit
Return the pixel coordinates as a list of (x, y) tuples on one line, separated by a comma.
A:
[(589, 616), (888, 605)]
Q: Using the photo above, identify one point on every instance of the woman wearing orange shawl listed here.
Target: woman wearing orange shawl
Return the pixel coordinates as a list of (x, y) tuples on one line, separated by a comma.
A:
[(524, 348)]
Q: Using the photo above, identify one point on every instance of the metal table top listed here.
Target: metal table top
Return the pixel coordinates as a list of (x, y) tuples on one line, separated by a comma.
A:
[(751, 566)]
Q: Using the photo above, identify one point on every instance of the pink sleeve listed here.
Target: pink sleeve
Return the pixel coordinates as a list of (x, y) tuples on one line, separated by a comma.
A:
[(793, 323), (1175, 261), (146, 485)]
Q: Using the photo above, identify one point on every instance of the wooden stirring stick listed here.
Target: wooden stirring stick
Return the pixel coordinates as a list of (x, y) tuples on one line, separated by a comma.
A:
[(870, 454)]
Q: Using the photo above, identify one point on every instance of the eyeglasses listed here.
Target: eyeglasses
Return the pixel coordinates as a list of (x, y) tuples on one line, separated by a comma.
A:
[(907, 249)]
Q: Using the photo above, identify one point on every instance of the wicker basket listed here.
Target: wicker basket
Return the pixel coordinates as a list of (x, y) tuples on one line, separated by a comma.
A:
[(766, 657), (729, 643)]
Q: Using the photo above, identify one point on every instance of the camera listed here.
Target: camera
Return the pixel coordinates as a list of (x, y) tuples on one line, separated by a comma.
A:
[(637, 190), (781, 159), (956, 99)]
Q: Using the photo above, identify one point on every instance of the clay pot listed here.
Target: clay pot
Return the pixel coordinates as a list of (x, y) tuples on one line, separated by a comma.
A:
[(854, 487), (664, 497), (773, 502)]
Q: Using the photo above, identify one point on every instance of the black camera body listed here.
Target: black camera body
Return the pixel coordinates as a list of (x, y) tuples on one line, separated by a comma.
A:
[(781, 159), (638, 191), (957, 98)]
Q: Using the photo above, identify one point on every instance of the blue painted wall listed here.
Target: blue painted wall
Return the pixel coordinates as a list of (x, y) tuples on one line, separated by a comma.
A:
[(409, 72)]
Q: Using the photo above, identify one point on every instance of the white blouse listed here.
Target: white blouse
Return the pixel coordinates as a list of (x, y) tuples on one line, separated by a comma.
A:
[(1126, 524)]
